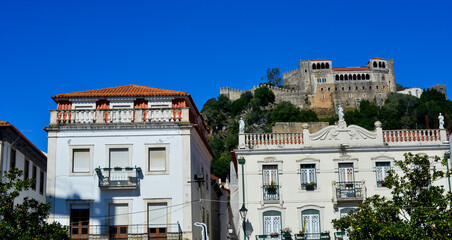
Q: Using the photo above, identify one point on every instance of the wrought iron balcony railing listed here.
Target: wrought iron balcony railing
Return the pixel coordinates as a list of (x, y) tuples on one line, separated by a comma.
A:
[(271, 192), (118, 178), (349, 190)]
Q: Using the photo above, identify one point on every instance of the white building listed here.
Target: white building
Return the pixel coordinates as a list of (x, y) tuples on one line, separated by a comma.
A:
[(296, 179), (416, 92), (129, 161), (16, 151)]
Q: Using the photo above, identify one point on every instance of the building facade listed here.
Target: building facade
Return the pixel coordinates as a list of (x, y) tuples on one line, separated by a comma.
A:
[(128, 162), (305, 180), (317, 84), (16, 151)]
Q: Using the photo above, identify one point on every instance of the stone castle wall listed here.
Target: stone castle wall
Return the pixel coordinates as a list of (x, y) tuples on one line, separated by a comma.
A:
[(281, 94)]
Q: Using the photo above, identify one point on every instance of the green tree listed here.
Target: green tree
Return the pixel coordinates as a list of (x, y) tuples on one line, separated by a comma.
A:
[(220, 166), (418, 209), (215, 118), (287, 112), (241, 104), (263, 96), (24, 220), (273, 77)]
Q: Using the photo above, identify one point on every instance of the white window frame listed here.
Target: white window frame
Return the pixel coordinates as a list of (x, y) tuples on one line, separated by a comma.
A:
[(384, 170), (167, 158), (71, 157), (309, 171)]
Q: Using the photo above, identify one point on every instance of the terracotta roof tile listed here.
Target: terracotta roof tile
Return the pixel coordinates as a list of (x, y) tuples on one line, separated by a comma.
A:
[(351, 68), (123, 91), (4, 123), (378, 58), (319, 59)]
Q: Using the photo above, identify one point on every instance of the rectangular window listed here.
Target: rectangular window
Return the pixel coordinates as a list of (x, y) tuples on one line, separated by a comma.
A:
[(79, 222), (119, 221), (308, 176), (157, 159), (119, 157), (381, 171), (157, 220), (33, 177), (41, 183), (26, 169), (12, 160), (80, 160)]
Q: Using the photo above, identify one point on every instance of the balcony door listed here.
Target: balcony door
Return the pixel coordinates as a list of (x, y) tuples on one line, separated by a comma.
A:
[(119, 157), (272, 222), (79, 222), (157, 221), (119, 221), (311, 222), (270, 182), (346, 178), (346, 172)]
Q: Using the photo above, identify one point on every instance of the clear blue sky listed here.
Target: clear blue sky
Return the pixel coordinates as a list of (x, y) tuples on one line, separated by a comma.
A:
[(51, 47)]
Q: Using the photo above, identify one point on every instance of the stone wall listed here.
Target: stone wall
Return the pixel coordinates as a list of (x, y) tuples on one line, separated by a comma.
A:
[(296, 127)]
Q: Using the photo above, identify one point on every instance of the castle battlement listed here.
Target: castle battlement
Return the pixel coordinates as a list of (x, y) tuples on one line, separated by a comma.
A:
[(290, 72)]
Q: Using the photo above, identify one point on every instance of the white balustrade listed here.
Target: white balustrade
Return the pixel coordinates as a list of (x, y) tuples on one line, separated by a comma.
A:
[(105, 116), (412, 136), (273, 140)]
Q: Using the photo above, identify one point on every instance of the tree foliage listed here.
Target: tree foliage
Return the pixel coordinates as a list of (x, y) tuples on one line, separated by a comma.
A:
[(24, 220), (287, 112), (419, 209), (263, 96), (273, 77), (402, 111)]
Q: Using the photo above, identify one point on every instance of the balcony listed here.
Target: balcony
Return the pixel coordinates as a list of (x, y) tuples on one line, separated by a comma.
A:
[(137, 231), (270, 193), (116, 116), (349, 191), (118, 178)]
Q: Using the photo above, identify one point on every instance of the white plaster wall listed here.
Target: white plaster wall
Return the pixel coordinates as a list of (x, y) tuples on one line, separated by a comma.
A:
[(20, 162), (293, 200), (152, 187)]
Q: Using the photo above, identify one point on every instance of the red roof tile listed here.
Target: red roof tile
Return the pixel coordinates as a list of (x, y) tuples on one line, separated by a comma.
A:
[(378, 58), (123, 91), (320, 60), (351, 68)]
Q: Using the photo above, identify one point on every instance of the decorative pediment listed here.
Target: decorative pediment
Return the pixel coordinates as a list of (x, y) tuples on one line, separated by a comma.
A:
[(343, 134)]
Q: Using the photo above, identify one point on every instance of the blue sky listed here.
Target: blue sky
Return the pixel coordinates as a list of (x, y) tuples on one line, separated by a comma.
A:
[(52, 47)]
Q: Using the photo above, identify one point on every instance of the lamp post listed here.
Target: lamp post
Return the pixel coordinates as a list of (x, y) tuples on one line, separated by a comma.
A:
[(243, 211)]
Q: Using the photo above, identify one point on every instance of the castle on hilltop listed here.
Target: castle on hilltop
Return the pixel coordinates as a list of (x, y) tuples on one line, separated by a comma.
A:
[(317, 84)]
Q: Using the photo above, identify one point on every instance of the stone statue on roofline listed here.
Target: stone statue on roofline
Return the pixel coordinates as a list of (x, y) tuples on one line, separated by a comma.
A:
[(441, 121), (241, 126), (340, 113)]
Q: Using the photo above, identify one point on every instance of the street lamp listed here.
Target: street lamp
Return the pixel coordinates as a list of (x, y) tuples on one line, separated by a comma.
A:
[(243, 211), (248, 229), (230, 230)]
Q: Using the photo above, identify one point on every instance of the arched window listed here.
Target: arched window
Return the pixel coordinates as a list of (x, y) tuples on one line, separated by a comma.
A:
[(377, 87), (342, 77), (310, 219), (313, 66), (321, 89), (379, 64), (345, 77), (363, 76), (367, 76), (383, 65), (318, 65), (370, 87), (327, 65), (375, 64), (322, 66), (354, 76), (356, 88), (272, 222), (350, 77), (337, 77), (358, 77)]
